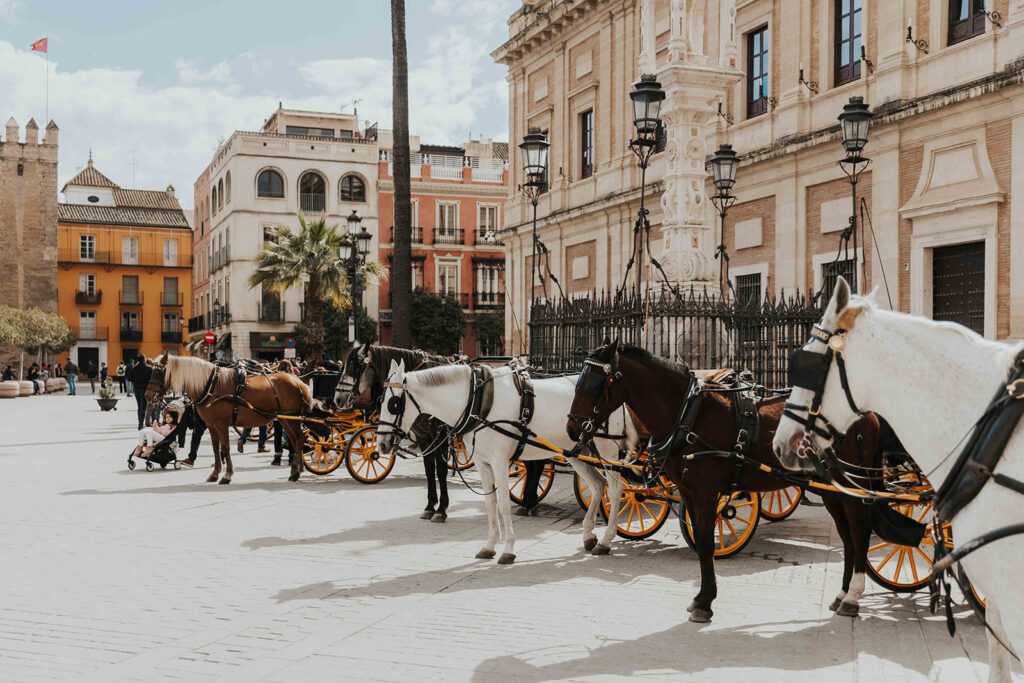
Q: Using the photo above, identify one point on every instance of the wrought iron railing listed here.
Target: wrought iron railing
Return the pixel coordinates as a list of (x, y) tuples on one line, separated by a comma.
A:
[(270, 313), (91, 298), (449, 235), (91, 332), (312, 202)]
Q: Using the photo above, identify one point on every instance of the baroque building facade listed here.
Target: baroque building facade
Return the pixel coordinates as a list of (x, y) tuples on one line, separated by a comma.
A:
[(769, 77)]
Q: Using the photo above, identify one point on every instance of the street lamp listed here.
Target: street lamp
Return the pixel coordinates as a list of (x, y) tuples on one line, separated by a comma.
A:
[(855, 122), (534, 148), (354, 249), (647, 97), (723, 173)]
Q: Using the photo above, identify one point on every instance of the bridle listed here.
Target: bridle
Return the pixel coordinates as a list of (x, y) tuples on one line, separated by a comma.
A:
[(157, 384), (349, 382), (595, 381), (396, 405)]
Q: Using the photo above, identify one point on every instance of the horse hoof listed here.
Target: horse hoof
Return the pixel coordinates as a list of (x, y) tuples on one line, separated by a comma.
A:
[(692, 606), (426, 514), (485, 554), (521, 511), (224, 482), (835, 605), (294, 477), (506, 558), (601, 549), (212, 478), (699, 615), (439, 518), (848, 609), (588, 544)]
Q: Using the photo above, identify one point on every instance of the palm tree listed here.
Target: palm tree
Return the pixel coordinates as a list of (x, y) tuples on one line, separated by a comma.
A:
[(401, 283), (311, 255)]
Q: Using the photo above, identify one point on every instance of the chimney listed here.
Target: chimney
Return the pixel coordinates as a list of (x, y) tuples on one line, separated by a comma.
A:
[(31, 132), (170, 191), (50, 134), (11, 135)]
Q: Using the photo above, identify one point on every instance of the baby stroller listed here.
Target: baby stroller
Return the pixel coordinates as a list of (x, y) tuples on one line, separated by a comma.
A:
[(164, 453)]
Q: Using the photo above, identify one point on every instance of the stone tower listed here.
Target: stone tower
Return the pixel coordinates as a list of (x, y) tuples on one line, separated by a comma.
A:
[(28, 220)]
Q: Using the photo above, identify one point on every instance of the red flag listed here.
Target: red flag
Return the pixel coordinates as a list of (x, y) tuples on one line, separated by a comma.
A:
[(39, 45)]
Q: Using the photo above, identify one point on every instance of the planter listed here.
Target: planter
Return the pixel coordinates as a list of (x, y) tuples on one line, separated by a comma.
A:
[(107, 403)]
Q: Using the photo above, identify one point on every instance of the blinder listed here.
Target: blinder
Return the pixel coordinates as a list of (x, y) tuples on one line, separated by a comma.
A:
[(808, 370), (396, 406), (591, 382)]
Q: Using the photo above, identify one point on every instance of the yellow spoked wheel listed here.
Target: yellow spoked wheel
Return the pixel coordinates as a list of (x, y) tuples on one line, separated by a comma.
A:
[(517, 480), (973, 596), (583, 493), (777, 505), (738, 516), (363, 461), (904, 568), (322, 453), (642, 512), (461, 460)]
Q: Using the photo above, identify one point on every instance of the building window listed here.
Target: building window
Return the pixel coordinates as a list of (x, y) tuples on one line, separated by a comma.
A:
[(489, 282), (757, 72), (87, 284), (227, 186), (130, 290), (587, 144), (129, 250), (269, 184), (748, 289), (170, 323), (309, 132), (87, 247), (170, 253), (415, 211), (130, 320), (487, 219), (830, 273), (848, 40), (87, 325), (353, 189), (312, 193), (268, 235), (966, 19), (447, 231), (170, 296), (417, 274), (447, 278), (213, 200), (220, 194)]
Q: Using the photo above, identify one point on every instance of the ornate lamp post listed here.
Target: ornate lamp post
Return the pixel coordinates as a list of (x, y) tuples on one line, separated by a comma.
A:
[(647, 97), (535, 148), (354, 251), (723, 172), (856, 122)]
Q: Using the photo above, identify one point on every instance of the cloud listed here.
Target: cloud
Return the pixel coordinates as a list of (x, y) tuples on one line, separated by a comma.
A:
[(9, 10), (189, 72)]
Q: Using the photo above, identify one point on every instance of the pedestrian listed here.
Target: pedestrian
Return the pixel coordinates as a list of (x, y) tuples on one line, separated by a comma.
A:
[(155, 434), (261, 440), (44, 374), (140, 380), (128, 374), (33, 376), (92, 373), (58, 370), (103, 373), (194, 422), (71, 372), (9, 373), (121, 369), (279, 437)]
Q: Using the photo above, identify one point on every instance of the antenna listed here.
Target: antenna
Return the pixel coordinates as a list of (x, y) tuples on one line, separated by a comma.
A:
[(355, 111), (133, 165)]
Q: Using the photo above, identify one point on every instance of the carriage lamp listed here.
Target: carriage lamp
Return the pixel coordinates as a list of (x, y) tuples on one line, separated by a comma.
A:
[(535, 157), (723, 168), (855, 122), (345, 250), (647, 96), (723, 174)]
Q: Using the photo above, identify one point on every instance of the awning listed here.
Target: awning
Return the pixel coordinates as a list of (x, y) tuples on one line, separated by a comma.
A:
[(224, 342), (193, 346)]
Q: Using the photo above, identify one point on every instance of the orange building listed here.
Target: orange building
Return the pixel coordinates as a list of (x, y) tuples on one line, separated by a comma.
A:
[(125, 269)]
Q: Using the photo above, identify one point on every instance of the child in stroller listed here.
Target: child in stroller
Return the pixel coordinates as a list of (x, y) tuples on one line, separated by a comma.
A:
[(163, 444)]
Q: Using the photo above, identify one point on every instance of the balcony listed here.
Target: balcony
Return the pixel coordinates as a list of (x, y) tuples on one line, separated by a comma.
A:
[(131, 335), (417, 235), (218, 316), (480, 239), (171, 299), (91, 333), (449, 236), (488, 300), (129, 298), (274, 313), (168, 337), (445, 167), (312, 202), (487, 170), (93, 299), (119, 258), (197, 323)]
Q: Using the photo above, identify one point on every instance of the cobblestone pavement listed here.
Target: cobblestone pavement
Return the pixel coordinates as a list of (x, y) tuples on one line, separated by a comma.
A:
[(115, 575)]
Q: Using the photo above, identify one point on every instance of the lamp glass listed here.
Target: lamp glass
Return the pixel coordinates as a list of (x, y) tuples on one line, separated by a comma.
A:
[(723, 168), (353, 223), (535, 153), (364, 238), (345, 251), (856, 122), (647, 96)]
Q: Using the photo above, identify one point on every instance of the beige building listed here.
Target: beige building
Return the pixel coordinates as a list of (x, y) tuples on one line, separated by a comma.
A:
[(943, 78)]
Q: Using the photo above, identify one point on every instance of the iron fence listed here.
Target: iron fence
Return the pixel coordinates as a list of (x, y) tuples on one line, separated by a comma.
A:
[(700, 329)]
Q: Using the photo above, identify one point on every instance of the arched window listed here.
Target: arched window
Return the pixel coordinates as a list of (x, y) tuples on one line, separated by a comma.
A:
[(220, 194), (353, 189), (269, 184), (227, 186), (312, 192), (213, 199)]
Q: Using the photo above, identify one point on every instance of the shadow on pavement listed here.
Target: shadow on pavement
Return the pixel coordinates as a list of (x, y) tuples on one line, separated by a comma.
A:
[(321, 485)]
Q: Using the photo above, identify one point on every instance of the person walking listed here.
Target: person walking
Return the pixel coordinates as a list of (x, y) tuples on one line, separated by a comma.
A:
[(261, 439), (121, 369), (128, 374), (103, 373), (140, 380), (198, 427), (9, 373), (91, 373), (71, 372)]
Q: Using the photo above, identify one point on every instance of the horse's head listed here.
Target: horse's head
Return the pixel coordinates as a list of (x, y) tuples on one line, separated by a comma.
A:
[(158, 380), (356, 377), (599, 391), (821, 408), (397, 413)]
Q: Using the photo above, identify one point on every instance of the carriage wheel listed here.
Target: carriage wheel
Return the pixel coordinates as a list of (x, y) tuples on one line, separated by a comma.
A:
[(322, 454), (904, 568), (640, 513), (517, 480), (583, 495), (731, 535), (777, 505), (976, 599), (364, 462), (461, 459)]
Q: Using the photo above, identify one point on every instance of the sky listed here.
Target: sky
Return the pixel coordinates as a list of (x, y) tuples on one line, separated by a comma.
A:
[(151, 87)]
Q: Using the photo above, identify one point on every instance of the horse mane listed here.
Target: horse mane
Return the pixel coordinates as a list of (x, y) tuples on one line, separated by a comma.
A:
[(381, 357), (644, 356), (189, 375), (440, 376)]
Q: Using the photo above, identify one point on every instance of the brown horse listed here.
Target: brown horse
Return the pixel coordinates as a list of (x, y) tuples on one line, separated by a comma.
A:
[(213, 390), (656, 390)]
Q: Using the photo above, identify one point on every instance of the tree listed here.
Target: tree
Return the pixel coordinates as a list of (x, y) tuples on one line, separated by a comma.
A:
[(437, 323), (488, 327), (34, 330), (401, 281), (336, 331), (312, 256)]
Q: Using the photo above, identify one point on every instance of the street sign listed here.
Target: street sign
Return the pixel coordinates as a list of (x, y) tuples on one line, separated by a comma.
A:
[(289, 352), (210, 338), (289, 343), (351, 328)]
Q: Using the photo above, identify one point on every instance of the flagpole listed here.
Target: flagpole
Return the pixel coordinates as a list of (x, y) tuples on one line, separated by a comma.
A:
[(47, 78)]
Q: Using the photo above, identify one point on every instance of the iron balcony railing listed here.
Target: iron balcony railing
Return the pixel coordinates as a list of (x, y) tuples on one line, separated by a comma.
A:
[(129, 298), (91, 332), (488, 300), (196, 323), (91, 298), (170, 337), (312, 202), (218, 316), (129, 334), (416, 235), (120, 258), (487, 238), (274, 313), (171, 299), (449, 235)]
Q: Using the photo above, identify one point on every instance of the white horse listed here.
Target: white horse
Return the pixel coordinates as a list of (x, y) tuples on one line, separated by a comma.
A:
[(931, 381), (444, 393)]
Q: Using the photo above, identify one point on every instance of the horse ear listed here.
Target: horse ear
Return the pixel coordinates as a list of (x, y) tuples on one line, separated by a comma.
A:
[(606, 341), (840, 297), (616, 345), (872, 298)]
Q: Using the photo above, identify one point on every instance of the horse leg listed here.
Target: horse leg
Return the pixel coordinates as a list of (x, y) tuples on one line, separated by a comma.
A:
[(859, 523), (508, 555), (294, 432), (429, 470), (592, 477), (215, 438), (998, 656), (442, 482), (843, 525), (703, 515), (615, 484), (229, 469), (491, 505)]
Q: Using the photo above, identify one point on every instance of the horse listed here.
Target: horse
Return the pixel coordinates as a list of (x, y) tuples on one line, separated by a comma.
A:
[(219, 402), (657, 391), (933, 382), (449, 393)]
